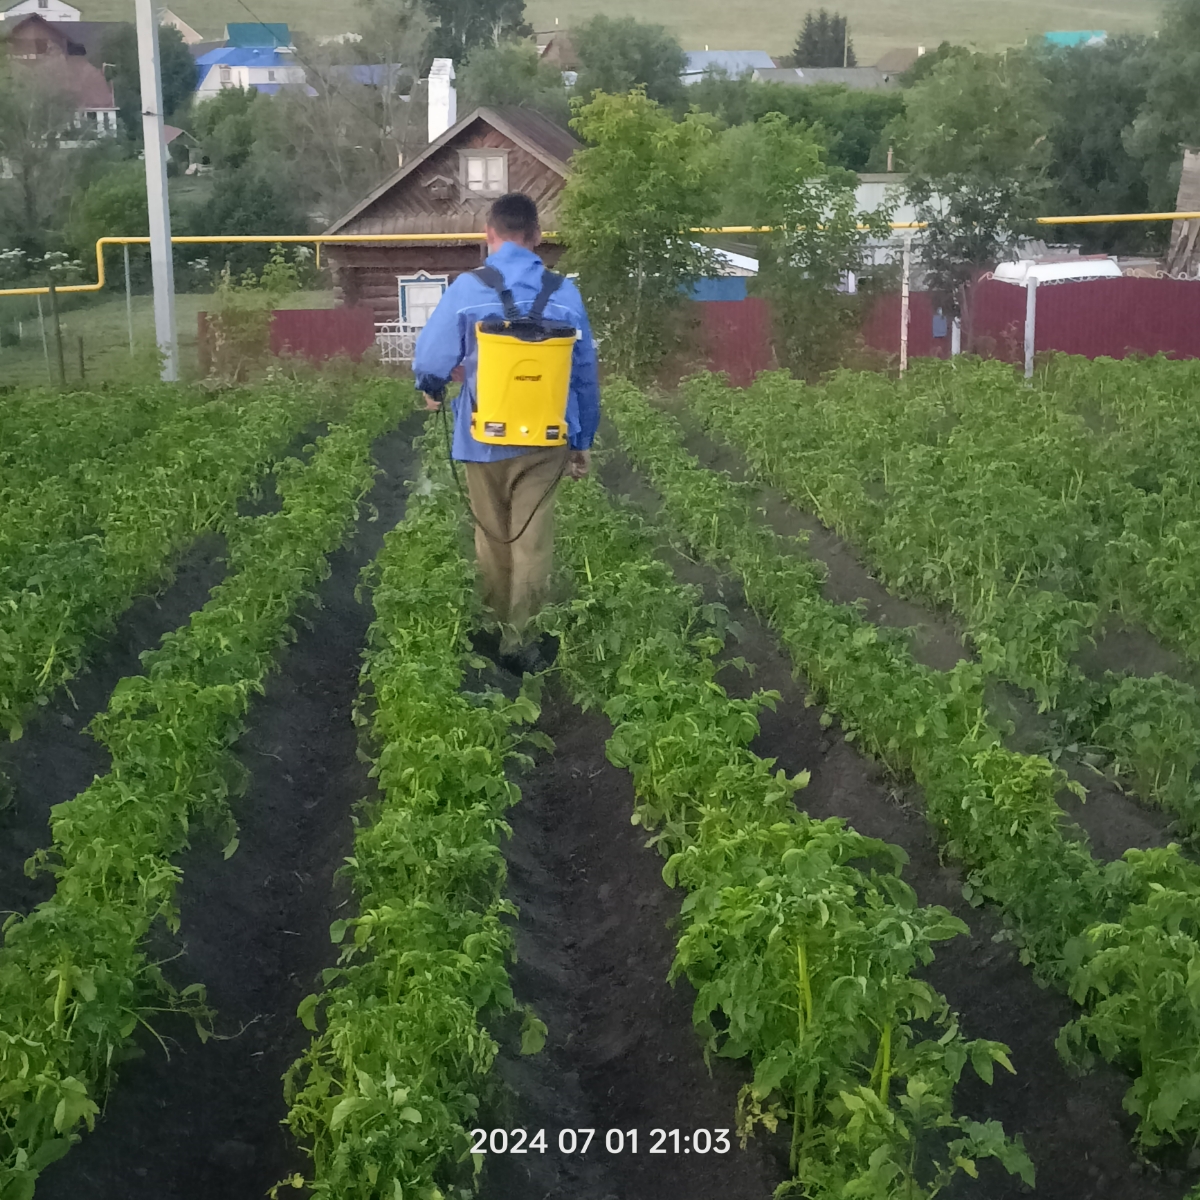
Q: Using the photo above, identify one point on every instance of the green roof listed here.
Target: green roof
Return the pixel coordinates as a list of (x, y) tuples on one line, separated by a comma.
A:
[(248, 35)]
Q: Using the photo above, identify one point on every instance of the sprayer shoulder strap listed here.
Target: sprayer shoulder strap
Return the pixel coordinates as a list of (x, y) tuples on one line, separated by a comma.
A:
[(490, 277)]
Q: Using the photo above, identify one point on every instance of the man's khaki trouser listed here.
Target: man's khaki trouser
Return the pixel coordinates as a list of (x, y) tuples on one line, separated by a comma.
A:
[(503, 495)]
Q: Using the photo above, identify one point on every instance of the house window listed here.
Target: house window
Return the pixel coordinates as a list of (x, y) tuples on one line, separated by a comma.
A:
[(419, 296), (270, 76), (226, 74), (485, 172), (91, 116), (43, 3)]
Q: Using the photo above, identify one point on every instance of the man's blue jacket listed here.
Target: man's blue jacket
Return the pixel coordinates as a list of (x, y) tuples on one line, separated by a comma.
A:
[(449, 339)]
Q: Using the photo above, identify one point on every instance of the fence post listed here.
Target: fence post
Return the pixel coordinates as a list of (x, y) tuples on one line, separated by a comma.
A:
[(905, 268), (45, 343), (956, 337), (128, 297), (1030, 325), (58, 342)]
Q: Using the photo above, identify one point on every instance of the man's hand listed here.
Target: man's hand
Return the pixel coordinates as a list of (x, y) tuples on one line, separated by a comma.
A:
[(579, 463), (432, 404)]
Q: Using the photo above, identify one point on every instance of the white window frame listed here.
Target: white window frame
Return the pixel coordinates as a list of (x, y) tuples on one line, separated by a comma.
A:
[(421, 279), (490, 186), (226, 75)]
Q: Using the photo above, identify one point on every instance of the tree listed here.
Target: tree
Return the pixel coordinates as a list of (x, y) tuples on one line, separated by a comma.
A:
[(512, 73), (1096, 94), (226, 126), (35, 118), (114, 203), (120, 53), (976, 145), (851, 124), (618, 54), (1169, 117), (331, 149), (642, 183), (461, 25), (978, 114), (777, 177), (824, 41), (244, 201)]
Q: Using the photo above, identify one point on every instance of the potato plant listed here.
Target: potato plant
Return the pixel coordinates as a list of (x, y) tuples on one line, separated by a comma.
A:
[(800, 936), (1003, 504), (1090, 928), (385, 1095), (76, 982), (78, 547)]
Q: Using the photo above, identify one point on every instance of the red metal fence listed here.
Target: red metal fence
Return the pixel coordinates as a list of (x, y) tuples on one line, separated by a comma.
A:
[(736, 337), (1094, 318), (321, 333)]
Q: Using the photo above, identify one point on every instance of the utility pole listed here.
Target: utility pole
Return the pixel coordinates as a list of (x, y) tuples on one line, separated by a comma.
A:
[(156, 188), (845, 42)]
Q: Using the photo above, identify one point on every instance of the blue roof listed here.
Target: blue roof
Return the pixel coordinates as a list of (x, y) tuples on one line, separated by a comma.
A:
[(733, 62), (257, 33), (1076, 37), (236, 56)]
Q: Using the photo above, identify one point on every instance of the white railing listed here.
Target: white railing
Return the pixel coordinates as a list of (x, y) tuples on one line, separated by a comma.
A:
[(396, 341)]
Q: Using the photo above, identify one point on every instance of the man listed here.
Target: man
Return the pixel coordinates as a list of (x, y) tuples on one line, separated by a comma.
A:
[(511, 488)]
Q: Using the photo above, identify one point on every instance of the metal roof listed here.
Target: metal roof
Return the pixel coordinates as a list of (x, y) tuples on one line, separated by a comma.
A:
[(258, 33), (859, 78), (732, 62), (1076, 37), (242, 56), (537, 134)]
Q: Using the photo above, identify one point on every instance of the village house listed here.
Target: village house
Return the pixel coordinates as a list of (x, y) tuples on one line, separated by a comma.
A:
[(48, 10), (264, 70), (447, 188), (55, 53)]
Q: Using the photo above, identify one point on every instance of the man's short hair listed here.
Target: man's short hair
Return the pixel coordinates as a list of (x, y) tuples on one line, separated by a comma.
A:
[(515, 215)]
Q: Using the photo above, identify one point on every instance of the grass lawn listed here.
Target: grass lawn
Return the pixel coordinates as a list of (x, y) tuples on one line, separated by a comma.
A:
[(769, 25), (102, 325)]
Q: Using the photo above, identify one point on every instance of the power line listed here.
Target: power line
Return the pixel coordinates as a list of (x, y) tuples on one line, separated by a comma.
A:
[(328, 82)]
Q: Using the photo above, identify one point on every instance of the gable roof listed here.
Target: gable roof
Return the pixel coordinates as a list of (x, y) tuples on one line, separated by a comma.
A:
[(238, 56), (77, 79), (258, 33), (82, 38), (532, 131)]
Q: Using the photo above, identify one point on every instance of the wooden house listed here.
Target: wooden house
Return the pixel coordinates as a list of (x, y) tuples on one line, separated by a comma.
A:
[(448, 188)]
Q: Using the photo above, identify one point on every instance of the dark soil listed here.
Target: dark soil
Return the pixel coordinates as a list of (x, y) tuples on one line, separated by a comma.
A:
[(206, 1124), (56, 758), (595, 942), (1074, 1127)]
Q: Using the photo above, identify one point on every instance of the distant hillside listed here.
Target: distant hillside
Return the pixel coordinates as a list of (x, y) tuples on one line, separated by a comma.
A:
[(771, 25)]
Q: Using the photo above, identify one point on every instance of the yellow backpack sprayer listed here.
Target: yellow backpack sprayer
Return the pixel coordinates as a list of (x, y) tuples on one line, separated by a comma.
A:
[(522, 381), (524, 373)]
